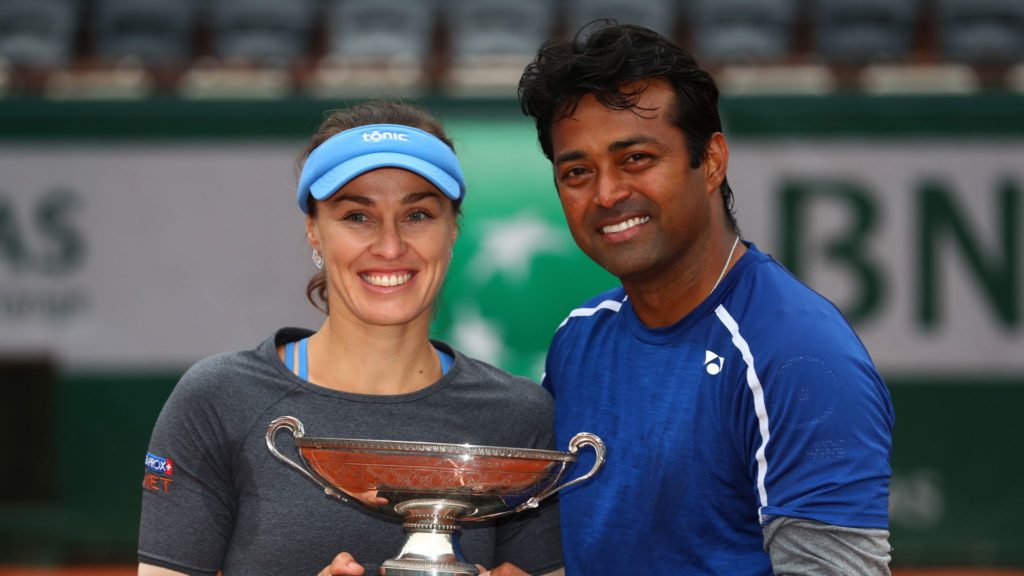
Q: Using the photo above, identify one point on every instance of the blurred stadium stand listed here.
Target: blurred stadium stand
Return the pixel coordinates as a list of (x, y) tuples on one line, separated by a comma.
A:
[(338, 48), (862, 31), (154, 33), (744, 31), (134, 44), (375, 45), (658, 15), (261, 32), (491, 41), (982, 31), (37, 34)]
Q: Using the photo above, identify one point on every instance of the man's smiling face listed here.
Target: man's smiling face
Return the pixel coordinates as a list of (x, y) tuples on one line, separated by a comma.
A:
[(632, 200)]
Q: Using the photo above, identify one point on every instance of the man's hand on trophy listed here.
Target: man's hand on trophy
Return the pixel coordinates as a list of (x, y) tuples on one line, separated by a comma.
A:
[(342, 565)]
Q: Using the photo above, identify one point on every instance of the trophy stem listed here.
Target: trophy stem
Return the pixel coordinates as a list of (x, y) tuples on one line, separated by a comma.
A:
[(432, 540)]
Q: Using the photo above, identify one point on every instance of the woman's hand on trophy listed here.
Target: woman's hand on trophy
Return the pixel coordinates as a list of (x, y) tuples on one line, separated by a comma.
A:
[(343, 565)]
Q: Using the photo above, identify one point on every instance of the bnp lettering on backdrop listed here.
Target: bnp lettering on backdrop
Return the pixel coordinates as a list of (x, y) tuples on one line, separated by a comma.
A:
[(989, 253), (942, 237), (41, 249)]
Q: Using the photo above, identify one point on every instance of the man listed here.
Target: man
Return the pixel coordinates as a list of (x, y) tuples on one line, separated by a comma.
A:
[(748, 431)]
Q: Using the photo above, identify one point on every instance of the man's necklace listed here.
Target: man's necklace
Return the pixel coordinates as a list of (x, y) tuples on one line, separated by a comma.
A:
[(726, 267)]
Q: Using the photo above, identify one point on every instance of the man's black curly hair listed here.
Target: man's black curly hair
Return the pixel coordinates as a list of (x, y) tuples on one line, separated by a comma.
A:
[(601, 59)]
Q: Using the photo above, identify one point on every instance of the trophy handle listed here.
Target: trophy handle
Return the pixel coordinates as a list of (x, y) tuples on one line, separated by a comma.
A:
[(294, 426), (581, 439)]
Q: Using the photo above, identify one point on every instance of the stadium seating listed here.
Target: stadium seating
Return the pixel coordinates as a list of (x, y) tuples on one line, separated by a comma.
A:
[(152, 32), (380, 29), (37, 34), (742, 31), (262, 32), (491, 40), (658, 15), (981, 31), (862, 31), (360, 48), (498, 27), (374, 46)]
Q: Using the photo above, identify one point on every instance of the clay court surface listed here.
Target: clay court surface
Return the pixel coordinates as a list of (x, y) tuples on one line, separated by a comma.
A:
[(131, 571)]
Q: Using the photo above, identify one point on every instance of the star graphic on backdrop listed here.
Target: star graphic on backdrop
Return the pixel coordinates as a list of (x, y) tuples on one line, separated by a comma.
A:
[(477, 337), (509, 245)]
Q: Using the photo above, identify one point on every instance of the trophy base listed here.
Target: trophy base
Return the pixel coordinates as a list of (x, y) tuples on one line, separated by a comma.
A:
[(427, 568), (431, 548)]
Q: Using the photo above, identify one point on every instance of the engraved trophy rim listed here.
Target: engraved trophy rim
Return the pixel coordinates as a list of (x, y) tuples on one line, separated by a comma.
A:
[(427, 448)]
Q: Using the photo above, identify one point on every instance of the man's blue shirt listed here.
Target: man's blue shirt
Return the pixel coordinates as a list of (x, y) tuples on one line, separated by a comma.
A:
[(761, 402)]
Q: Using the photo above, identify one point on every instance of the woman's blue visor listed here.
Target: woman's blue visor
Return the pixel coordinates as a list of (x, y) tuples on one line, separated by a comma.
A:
[(356, 151)]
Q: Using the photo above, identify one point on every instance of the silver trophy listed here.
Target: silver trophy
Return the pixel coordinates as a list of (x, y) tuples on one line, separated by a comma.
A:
[(433, 487)]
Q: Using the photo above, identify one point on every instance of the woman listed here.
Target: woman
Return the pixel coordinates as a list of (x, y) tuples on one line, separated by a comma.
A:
[(381, 189)]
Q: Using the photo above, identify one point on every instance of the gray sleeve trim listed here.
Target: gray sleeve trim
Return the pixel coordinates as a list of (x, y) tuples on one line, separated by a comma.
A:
[(801, 547)]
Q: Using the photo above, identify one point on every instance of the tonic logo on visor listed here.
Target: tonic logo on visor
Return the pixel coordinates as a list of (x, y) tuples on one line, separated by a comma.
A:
[(377, 136)]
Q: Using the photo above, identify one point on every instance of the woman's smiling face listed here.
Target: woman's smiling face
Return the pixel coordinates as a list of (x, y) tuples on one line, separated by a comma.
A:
[(386, 238)]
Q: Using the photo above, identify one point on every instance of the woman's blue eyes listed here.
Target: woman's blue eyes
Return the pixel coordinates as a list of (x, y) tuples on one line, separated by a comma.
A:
[(414, 216)]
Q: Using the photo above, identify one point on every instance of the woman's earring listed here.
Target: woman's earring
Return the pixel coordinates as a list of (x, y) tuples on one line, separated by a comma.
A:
[(318, 260)]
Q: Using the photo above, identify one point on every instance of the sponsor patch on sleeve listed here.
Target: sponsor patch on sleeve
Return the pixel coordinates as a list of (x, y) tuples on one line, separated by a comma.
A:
[(159, 465), (158, 473)]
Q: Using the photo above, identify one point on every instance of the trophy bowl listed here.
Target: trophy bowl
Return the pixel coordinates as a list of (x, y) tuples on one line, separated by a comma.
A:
[(433, 487)]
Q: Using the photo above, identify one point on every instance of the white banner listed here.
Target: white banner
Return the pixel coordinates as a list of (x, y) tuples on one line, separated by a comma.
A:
[(152, 255)]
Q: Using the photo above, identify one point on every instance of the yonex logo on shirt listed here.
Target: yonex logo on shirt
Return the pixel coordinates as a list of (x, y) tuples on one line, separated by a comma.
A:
[(377, 136), (713, 362)]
